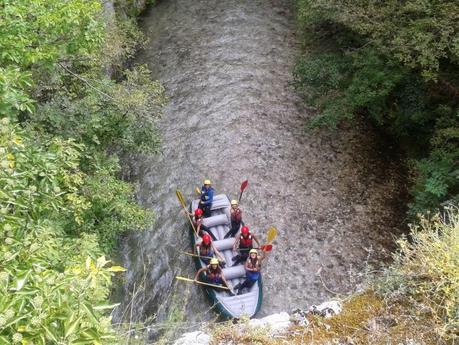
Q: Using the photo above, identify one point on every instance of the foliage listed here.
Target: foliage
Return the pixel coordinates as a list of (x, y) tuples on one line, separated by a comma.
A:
[(62, 206), (125, 39), (426, 270), (418, 34), (54, 287), (66, 72), (113, 210), (396, 64), (13, 94), (437, 175), (36, 34), (118, 116)]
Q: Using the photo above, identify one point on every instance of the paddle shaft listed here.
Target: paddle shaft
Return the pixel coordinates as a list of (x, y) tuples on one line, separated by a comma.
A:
[(240, 196), (182, 202), (265, 248), (196, 255), (202, 283)]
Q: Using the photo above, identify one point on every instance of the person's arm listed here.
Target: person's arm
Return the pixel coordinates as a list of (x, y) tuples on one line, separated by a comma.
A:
[(225, 281), (199, 272), (256, 240), (220, 256), (262, 256)]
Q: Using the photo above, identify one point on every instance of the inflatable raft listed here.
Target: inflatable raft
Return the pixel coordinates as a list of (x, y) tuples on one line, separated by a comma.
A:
[(247, 304)]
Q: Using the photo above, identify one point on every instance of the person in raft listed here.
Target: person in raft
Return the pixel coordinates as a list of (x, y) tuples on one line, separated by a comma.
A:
[(244, 243), (201, 229), (206, 250), (236, 219), (207, 197), (214, 274), (252, 271)]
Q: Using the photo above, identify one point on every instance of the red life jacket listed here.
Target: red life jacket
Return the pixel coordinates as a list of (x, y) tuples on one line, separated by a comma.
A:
[(245, 242), (214, 275), (236, 215), (205, 250), (197, 221)]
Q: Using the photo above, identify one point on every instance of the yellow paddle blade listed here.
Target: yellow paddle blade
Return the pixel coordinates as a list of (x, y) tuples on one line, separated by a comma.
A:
[(272, 233), (180, 198), (198, 191)]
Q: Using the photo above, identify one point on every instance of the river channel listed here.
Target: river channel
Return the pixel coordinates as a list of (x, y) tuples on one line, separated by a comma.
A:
[(233, 115)]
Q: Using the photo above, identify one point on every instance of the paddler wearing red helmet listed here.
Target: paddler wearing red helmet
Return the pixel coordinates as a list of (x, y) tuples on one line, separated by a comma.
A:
[(201, 229), (244, 243), (207, 249)]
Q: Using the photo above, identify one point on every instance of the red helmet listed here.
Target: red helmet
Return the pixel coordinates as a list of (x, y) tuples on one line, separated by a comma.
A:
[(206, 239), (198, 212), (245, 230)]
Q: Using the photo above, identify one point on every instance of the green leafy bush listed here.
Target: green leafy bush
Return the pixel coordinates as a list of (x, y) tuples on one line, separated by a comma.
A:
[(119, 116), (397, 65), (55, 286), (62, 206), (426, 270), (36, 34)]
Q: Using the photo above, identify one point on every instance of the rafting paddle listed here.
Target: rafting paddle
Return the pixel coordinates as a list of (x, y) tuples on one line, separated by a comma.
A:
[(271, 234), (243, 187), (196, 255), (202, 283), (183, 203), (265, 248)]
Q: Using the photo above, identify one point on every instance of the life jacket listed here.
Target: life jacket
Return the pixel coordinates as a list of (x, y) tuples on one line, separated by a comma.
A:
[(198, 224), (197, 221), (214, 275), (236, 216), (205, 250), (251, 264), (253, 276), (245, 242)]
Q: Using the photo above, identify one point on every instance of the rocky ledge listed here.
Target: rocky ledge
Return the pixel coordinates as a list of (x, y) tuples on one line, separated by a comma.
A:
[(274, 324)]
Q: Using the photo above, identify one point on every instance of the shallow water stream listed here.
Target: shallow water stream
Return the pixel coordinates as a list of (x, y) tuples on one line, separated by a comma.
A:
[(233, 115)]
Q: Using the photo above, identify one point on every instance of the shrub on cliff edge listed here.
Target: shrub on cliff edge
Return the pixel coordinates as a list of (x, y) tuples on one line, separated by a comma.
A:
[(426, 271)]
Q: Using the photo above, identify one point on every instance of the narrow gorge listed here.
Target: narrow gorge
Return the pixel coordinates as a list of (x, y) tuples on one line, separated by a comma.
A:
[(233, 115)]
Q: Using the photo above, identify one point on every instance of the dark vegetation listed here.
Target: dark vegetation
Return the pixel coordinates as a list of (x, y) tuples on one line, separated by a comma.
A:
[(395, 63), (67, 110)]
